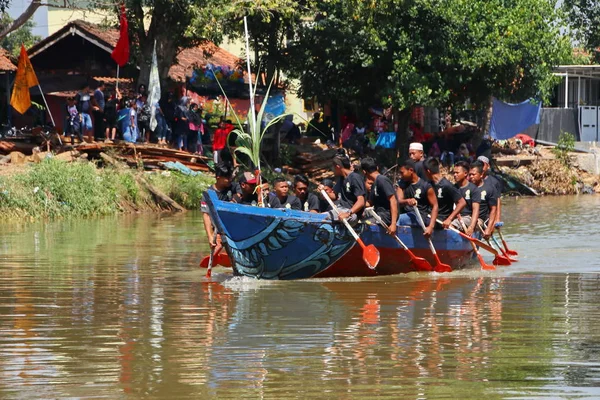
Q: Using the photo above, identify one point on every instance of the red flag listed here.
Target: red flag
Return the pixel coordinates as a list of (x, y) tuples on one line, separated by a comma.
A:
[(121, 52)]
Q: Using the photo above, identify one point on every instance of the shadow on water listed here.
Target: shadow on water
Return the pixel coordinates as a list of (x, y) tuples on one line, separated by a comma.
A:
[(116, 308)]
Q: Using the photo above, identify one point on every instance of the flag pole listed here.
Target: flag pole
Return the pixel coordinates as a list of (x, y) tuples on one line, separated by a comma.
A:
[(117, 76), (47, 108)]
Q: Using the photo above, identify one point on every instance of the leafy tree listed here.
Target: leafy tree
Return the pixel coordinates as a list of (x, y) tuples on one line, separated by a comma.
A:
[(424, 52), (271, 24), (12, 42), (584, 19)]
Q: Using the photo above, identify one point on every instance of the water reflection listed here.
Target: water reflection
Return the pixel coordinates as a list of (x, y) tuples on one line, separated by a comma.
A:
[(117, 309)]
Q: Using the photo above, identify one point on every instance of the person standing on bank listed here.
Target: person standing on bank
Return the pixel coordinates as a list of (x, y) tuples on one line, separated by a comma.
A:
[(98, 105), (349, 189), (382, 195)]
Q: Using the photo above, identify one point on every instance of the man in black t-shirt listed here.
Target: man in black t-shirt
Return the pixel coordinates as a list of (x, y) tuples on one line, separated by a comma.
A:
[(489, 201), (309, 201), (224, 191), (349, 189), (382, 196), (472, 196), (416, 153), (419, 193), (493, 183), (450, 201), (282, 199), (247, 194)]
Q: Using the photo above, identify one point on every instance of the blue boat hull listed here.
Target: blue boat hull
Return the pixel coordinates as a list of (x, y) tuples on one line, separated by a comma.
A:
[(286, 244)]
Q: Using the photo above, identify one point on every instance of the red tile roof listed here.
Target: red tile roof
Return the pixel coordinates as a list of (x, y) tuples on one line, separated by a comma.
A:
[(200, 55), (5, 63)]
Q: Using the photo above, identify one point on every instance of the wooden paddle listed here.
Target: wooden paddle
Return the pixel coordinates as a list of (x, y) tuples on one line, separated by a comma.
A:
[(419, 263), (479, 257), (508, 251), (439, 267), (370, 253), (499, 258)]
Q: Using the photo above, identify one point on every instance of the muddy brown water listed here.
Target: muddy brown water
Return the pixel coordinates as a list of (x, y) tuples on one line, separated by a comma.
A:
[(116, 308)]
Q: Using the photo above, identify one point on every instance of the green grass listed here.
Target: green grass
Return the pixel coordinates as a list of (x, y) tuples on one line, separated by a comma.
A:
[(56, 189)]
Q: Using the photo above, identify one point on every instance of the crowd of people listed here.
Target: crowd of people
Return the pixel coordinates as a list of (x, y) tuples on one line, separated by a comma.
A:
[(470, 203), (109, 115)]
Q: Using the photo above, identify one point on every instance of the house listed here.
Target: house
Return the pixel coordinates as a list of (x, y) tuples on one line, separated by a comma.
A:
[(575, 106), (7, 69), (80, 51)]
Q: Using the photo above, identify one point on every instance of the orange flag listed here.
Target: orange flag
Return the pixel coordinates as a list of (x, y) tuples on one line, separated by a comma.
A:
[(25, 79)]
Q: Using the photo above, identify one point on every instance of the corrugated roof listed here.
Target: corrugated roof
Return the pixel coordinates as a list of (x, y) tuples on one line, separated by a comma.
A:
[(5, 63), (107, 38)]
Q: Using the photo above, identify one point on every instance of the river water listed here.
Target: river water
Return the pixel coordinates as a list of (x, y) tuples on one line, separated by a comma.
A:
[(116, 308)]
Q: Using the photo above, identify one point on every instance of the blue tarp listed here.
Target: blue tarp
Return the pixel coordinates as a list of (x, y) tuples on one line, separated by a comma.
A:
[(387, 140), (511, 119), (275, 106)]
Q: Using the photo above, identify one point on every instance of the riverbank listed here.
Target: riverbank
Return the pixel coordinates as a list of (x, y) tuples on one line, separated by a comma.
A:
[(57, 189)]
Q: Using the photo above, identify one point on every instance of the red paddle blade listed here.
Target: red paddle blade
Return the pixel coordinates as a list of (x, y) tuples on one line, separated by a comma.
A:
[(509, 251), (501, 260), (421, 264), (204, 262), (485, 266), (371, 256), (223, 260), (442, 268), (218, 259)]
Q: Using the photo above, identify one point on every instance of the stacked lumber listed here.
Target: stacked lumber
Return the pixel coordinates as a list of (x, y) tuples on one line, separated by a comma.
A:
[(150, 155)]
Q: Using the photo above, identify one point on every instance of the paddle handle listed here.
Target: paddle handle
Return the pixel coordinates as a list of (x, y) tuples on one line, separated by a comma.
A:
[(346, 223), (422, 223)]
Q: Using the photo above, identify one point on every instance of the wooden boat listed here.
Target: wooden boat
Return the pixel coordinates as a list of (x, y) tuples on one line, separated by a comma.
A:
[(286, 244)]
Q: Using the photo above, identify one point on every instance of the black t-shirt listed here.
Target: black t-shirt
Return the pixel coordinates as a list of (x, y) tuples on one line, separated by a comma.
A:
[(420, 170), (349, 189), (447, 196), (291, 202), (418, 191), (496, 184), (223, 195), (381, 191), (488, 199), (471, 195), (251, 200), (311, 203)]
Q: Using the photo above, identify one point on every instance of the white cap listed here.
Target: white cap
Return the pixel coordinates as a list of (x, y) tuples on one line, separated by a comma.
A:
[(415, 146), (483, 159)]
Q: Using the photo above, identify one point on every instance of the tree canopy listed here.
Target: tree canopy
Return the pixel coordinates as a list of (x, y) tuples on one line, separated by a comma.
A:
[(23, 35), (428, 52)]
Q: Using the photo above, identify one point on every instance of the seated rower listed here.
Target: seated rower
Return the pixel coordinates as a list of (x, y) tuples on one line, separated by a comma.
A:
[(416, 153), (489, 201), (469, 192), (450, 201), (493, 183), (416, 192), (247, 194), (382, 196), (281, 198), (224, 191), (309, 201), (349, 189), (327, 186)]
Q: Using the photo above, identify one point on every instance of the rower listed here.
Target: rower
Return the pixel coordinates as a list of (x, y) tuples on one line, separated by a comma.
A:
[(327, 186), (309, 201), (224, 191), (450, 201), (281, 197), (416, 153), (469, 192), (382, 196), (349, 189), (416, 192), (489, 201), (247, 194), (493, 182)]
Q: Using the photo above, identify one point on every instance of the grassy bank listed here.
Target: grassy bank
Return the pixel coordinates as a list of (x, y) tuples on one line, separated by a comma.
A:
[(56, 189)]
